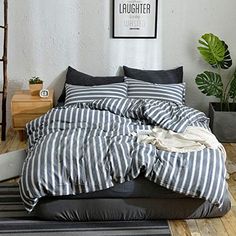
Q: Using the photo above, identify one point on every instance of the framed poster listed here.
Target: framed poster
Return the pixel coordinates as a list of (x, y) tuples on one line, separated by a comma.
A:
[(135, 18)]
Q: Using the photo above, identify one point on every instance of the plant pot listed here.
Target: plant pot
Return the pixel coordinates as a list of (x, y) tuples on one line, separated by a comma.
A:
[(222, 123), (35, 88)]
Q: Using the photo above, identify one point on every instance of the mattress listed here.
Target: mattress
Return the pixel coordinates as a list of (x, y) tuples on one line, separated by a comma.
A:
[(138, 199)]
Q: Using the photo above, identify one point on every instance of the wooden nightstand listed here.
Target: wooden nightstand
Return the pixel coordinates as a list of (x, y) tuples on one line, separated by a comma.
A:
[(25, 108)]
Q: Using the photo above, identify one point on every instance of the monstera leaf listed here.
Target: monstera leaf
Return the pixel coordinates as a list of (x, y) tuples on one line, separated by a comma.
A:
[(210, 83), (215, 51), (227, 62), (232, 88)]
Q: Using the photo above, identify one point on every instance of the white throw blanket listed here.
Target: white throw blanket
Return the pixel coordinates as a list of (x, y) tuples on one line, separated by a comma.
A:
[(193, 139)]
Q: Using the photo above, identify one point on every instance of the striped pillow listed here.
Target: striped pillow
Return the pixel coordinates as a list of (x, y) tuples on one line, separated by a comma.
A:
[(169, 92), (75, 93)]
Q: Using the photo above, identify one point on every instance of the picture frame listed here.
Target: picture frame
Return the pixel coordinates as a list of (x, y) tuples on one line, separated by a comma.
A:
[(135, 18)]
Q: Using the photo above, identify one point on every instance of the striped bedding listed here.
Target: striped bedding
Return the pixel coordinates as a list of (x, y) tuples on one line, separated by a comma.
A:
[(89, 147), (75, 93), (168, 92)]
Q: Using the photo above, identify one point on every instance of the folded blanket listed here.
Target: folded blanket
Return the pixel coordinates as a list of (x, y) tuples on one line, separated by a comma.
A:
[(192, 139)]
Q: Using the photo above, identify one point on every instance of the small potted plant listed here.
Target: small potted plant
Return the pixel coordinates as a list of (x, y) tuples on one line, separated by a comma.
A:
[(35, 85), (223, 113)]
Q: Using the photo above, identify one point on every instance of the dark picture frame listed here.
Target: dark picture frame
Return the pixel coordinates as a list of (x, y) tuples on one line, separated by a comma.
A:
[(135, 19)]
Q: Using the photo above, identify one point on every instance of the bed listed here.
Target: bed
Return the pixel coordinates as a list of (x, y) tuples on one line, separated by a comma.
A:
[(85, 160), (137, 199)]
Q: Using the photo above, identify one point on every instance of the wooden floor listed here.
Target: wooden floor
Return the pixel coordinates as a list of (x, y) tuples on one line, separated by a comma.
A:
[(214, 227)]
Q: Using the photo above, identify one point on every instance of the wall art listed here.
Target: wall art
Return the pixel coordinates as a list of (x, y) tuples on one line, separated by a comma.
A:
[(135, 18)]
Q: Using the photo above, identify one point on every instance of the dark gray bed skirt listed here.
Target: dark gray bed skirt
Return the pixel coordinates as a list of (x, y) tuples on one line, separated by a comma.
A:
[(128, 209)]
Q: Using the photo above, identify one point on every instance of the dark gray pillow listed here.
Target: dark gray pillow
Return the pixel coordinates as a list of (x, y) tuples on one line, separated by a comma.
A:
[(75, 77), (173, 76)]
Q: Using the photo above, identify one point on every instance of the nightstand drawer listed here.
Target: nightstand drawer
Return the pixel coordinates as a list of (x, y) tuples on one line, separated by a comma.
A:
[(20, 120), (31, 107), (25, 107)]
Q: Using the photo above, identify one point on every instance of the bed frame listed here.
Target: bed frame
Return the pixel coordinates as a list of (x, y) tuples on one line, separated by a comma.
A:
[(107, 209)]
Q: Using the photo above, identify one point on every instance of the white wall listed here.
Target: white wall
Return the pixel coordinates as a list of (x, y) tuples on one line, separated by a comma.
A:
[(48, 35)]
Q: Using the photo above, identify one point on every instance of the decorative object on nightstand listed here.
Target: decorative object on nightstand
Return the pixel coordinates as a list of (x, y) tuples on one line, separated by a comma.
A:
[(35, 85), (222, 114), (44, 93), (25, 107)]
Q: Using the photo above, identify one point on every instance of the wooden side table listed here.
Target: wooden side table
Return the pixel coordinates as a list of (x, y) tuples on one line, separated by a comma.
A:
[(25, 108)]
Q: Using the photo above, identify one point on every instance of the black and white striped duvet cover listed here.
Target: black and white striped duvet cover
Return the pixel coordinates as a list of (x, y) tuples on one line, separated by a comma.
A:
[(84, 94), (90, 147), (167, 92)]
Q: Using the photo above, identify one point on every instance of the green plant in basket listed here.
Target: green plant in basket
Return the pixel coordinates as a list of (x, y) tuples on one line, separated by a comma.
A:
[(35, 85), (216, 53), (35, 80)]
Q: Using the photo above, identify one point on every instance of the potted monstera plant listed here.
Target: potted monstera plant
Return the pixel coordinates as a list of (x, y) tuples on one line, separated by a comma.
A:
[(215, 83)]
